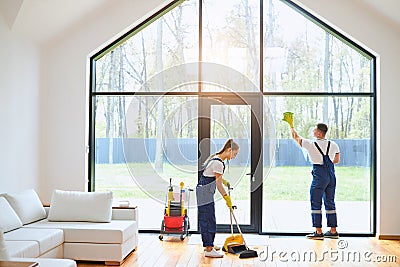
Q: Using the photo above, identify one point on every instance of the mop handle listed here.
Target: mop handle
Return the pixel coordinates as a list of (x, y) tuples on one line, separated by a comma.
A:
[(229, 193), (240, 231), (231, 224)]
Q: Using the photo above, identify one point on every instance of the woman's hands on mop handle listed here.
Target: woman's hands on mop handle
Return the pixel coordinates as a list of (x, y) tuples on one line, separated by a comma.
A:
[(288, 117), (228, 201), (227, 197)]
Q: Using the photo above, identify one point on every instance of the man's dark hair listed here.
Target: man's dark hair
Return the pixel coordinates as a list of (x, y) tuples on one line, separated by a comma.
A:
[(322, 127)]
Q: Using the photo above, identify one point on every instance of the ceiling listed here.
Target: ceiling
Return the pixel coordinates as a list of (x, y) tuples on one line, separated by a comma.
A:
[(390, 9), (42, 20)]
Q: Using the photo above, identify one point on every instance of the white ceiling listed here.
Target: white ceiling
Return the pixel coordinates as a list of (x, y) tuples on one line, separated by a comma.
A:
[(387, 8), (41, 20)]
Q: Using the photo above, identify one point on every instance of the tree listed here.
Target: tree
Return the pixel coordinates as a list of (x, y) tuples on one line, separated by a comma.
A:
[(160, 102)]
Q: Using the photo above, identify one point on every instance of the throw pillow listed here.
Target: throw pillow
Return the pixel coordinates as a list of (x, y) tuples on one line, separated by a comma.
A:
[(80, 206), (27, 205), (9, 220)]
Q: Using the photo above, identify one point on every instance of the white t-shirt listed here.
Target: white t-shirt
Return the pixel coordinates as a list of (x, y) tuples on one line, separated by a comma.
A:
[(314, 154), (214, 166)]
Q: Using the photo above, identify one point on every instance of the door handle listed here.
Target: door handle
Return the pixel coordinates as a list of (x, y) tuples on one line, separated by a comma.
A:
[(253, 179)]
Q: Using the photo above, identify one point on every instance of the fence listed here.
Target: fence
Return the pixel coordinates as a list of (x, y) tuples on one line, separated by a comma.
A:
[(183, 151)]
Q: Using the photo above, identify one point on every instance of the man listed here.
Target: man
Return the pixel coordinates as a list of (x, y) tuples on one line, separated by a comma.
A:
[(323, 154)]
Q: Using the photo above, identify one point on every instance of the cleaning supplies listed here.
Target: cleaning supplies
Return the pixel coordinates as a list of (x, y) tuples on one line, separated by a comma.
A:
[(245, 253), (288, 117), (176, 220), (232, 241), (182, 191), (233, 244), (170, 197)]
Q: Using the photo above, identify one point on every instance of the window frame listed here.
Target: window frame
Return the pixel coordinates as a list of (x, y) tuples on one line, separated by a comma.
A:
[(201, 94)]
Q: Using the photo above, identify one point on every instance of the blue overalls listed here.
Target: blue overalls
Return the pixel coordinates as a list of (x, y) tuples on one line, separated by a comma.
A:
[(323, 186), (205, 190)]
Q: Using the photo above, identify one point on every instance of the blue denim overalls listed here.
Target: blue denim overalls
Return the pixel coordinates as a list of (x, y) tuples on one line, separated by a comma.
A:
[(323, 186), (206, 208)]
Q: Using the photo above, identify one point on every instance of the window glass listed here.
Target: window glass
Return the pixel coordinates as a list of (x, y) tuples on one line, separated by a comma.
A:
[(231, 38), (301, 56), (286, 187), (146, 113), (142, 142), (136, 64)]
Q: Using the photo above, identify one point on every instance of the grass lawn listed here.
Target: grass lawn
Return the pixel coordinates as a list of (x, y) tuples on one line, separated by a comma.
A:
[(293, 183), (282, 183)]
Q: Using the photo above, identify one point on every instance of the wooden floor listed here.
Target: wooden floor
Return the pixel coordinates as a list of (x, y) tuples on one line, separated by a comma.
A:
[(279, 251)]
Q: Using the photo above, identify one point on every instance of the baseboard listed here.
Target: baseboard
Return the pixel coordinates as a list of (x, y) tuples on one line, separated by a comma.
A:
[(389, 237)]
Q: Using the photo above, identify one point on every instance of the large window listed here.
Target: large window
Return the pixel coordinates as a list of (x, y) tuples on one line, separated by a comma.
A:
[(255, 59), (286, 188)]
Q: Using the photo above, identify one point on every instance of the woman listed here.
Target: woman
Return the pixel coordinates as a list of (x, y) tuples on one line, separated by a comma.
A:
[(211, 178)]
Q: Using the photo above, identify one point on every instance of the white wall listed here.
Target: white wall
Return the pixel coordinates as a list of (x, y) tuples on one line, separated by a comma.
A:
[(63, 94), (19, 101)]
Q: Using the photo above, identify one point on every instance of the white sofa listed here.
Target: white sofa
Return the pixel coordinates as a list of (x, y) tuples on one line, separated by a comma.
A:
[(76, 226)]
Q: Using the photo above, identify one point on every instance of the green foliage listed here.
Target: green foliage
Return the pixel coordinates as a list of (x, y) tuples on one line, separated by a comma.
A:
[(293, 183), (282, 183), (313, 61)]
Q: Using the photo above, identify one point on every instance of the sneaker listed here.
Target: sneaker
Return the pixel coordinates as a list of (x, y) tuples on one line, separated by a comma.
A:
[(315, 235), (215, 247), (213, 254), (329, 234)]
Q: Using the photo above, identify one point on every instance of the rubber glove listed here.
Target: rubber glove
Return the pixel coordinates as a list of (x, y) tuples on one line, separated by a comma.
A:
[(226, 183), (288, 117), (228, 201)]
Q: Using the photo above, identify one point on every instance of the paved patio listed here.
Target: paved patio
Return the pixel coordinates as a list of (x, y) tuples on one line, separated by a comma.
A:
[(278, 216)]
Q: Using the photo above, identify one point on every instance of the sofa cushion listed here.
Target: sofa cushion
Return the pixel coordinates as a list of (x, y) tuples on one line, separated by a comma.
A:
[(114, 232), (27, 205), (74, 206), (9, 220), (101, 252), (3, 249), (23, 249), (48, 262), (46, 238)]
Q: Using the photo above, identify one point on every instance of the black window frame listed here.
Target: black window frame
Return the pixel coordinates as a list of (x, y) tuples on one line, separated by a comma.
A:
[(372, 94)]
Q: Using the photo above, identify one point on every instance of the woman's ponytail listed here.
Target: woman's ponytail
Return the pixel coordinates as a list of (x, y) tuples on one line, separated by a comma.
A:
[(228, 144)]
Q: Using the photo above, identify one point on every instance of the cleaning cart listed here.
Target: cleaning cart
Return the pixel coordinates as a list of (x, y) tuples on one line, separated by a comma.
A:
[(176, 218)]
